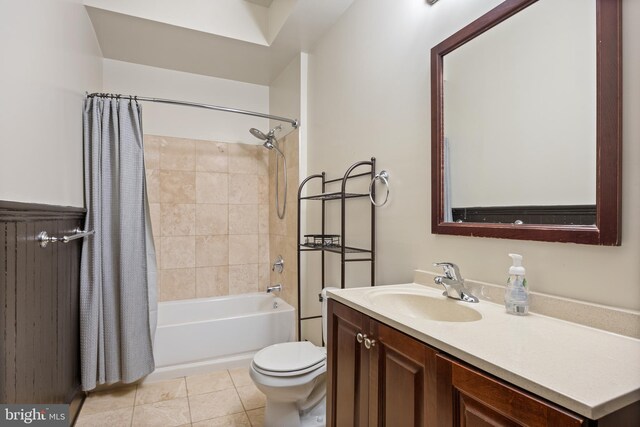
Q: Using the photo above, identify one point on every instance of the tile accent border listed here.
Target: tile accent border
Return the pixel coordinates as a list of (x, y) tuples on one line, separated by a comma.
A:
[(611, 319)]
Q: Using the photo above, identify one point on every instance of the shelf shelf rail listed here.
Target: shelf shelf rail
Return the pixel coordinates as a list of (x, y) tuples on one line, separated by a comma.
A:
[(341, 249)]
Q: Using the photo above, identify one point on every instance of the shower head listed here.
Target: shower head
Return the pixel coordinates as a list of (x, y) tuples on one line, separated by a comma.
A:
[(258, 134), (268, 139)]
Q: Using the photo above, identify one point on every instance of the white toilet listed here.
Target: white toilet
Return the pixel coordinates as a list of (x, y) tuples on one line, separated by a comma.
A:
[(292, 376)]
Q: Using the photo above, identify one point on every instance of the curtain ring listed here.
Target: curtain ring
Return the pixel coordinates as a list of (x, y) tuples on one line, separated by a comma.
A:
[(384, 177)]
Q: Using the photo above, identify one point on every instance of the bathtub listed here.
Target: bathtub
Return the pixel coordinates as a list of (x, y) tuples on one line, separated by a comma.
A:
[(205, 334)]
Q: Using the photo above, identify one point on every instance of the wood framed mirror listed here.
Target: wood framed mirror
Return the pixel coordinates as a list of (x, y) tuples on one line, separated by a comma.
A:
[(590, 218)]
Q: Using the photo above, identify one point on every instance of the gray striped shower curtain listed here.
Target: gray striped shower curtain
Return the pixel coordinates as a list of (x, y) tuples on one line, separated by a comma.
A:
[(118, 271)]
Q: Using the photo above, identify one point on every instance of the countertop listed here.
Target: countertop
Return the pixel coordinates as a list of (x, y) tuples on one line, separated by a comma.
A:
[(587, 370)]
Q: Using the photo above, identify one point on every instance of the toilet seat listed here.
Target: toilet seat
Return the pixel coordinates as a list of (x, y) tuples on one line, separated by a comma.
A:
[(289, 359)]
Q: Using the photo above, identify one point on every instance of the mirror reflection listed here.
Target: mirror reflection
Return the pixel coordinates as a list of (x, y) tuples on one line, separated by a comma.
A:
[(520, 119)]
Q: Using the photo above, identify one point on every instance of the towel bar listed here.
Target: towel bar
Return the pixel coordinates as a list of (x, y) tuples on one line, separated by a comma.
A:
[(45, 239)]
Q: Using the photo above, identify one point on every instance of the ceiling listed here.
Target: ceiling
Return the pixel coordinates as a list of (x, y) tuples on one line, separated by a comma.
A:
[(249, 41)]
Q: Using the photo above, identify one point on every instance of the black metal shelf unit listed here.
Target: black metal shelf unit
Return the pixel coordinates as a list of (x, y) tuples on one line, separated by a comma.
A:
[(342, 249)]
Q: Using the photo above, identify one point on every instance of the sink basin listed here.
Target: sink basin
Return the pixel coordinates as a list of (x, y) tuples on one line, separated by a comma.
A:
[(425, 307)]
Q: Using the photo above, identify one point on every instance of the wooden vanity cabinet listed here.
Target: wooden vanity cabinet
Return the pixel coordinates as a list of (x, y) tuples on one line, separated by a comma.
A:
[(347, 368), (469, 397), (387, 379), (400, 381)]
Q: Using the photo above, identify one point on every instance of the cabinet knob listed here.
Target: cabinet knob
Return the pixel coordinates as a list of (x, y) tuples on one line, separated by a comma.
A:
[(360, 337), (368, 343)]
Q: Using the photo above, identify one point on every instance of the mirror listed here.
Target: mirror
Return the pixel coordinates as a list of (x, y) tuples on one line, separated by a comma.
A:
[(526, 133)]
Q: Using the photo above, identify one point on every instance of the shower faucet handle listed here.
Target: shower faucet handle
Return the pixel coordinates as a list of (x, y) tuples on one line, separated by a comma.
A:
[(278, 265)]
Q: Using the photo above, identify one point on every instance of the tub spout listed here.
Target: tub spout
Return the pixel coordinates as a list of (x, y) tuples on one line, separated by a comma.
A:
[(275, 288)]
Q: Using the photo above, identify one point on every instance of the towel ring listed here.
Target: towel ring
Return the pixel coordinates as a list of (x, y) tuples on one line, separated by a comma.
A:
[(384, 177)]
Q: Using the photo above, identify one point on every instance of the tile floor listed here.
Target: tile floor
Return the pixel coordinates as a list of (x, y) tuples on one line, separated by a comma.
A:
[(216, 399)]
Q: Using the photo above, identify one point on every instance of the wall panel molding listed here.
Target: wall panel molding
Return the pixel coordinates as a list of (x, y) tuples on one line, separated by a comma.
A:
[(39, 306)]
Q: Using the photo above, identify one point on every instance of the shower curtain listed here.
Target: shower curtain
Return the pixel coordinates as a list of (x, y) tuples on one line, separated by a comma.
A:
[(118, 271)]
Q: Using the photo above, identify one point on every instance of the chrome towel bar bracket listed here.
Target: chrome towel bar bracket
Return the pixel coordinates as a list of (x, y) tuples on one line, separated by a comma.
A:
[(45, 239), (384, 177)]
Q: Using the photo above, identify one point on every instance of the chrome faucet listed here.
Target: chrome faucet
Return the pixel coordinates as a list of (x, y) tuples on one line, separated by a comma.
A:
[(274, 288), (453, 283)]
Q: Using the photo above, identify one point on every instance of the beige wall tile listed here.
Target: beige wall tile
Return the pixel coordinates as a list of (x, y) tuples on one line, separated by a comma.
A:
[(263, 219), (290, 148), (177, 154), (177, 187), (212, 251), (278, 227), (264, 278), (235, 420), (157, 242), (243, 279), (116, 417), (263, 249), (251, 397), (263, 189), (243, 219), (263, 161), (169, 413), (243, 249), (178, 219), (292, 194), (243, 158), (212, 281), (243, 189), (229, 194), (160, 391), (154, 213), (209, 382), (215, 404), (153, 185), (211, 156), (291, 223), (151, 152), (212, 187), (212, 219), (109, 400), (177, 284), (177, 252)]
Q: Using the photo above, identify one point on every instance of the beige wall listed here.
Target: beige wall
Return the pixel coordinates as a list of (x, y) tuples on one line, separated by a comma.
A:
[(209, 215), (50, 57), (369, 94), (189, 122)]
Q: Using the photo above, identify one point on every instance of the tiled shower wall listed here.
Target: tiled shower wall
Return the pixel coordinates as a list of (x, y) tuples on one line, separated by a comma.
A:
[(210, 216), (283, 232)]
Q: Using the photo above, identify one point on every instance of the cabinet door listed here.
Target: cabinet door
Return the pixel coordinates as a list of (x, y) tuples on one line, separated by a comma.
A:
[(402, 380), (347, 364), (467, 397)]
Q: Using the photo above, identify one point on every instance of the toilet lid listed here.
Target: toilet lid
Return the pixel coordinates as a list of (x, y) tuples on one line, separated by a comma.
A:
[(289, 357)]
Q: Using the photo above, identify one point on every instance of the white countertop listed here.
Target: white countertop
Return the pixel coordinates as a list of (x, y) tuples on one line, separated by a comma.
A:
[(586, 370)]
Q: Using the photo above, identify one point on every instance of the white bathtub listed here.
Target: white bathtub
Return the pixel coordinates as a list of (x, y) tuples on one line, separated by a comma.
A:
[(200, 335)]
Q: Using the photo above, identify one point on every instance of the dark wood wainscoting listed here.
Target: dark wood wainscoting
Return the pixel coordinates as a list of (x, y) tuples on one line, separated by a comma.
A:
[(39, 307)]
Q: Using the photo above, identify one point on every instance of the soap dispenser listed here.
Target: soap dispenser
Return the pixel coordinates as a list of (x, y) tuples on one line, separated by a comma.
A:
[(516, 296)]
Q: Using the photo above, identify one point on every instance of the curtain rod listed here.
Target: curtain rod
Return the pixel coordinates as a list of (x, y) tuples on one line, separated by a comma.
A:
[(293, 122)]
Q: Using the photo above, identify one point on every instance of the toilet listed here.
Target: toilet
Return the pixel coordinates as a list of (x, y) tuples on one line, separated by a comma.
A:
[(292, 377)]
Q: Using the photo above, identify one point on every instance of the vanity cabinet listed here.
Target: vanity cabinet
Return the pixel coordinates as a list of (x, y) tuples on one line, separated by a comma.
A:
[(469, 397), (379, 376)]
